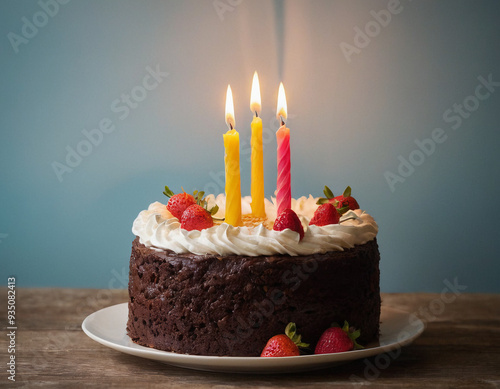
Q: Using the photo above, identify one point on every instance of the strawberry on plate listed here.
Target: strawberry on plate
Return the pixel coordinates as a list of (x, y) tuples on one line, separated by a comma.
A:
[(288, 219), (337, 340), (324, 215), (284, 345)]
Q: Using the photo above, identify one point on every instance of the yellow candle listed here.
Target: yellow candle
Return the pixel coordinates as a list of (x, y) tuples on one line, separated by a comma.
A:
[(232, 166), (257, 191)]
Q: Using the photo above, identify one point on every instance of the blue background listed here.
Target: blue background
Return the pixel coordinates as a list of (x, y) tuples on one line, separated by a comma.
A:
[(352, 118)]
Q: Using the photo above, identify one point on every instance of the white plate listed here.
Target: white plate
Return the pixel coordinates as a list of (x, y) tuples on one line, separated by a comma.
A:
[(108, 327)]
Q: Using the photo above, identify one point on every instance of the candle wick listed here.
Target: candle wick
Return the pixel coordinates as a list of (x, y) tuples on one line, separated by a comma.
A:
[(282, 121), (230, 126), (256, 114)]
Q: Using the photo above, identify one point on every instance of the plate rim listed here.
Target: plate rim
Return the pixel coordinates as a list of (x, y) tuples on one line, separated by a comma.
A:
[(226, 364)]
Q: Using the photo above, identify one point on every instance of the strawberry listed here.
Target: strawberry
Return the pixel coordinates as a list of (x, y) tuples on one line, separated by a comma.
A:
[(284, 345), (179, 202), (195, 217), (288, 219), (280, 346), (325, 214), (346, 200), (343, 203), (337, 340), (191, 210)]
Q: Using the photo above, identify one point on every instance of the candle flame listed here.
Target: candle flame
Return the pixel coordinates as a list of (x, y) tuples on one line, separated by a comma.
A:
[(281, 109), (255, 103), (229, 107)]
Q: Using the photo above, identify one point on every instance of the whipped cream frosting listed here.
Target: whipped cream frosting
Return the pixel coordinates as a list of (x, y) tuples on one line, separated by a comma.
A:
[(158, 229)]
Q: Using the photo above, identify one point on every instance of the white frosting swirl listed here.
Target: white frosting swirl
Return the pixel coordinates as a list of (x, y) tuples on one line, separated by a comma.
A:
[(158, 229)]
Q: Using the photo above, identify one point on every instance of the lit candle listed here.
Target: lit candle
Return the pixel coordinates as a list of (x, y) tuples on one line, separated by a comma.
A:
[(232, 165), (257, 190), (284, 192)]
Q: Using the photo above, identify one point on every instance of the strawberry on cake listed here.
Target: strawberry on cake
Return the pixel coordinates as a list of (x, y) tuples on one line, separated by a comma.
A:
[(201, 286)]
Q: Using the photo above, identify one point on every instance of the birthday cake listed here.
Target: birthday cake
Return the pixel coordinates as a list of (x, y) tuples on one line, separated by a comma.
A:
[(225, 291)]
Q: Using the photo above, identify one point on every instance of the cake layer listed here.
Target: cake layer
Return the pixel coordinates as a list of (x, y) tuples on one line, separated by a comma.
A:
[(231, 305)]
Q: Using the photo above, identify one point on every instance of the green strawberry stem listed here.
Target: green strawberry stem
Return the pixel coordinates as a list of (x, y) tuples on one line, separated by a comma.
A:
[(167, 192), (213, 211), (198, 196), (291, 332), (342, 210), (353, 334), (328, 193)]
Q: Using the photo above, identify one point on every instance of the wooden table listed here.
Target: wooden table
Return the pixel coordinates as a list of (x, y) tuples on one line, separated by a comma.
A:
[(459, 349)]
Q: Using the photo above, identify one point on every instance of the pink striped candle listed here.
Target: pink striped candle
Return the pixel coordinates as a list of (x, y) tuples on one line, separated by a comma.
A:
[(283, 185)]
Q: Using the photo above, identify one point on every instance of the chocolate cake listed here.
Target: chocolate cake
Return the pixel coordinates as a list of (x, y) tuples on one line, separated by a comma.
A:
[(230, 305)]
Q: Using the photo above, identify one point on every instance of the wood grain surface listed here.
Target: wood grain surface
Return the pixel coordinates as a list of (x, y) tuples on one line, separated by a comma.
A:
[(460, 348)]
